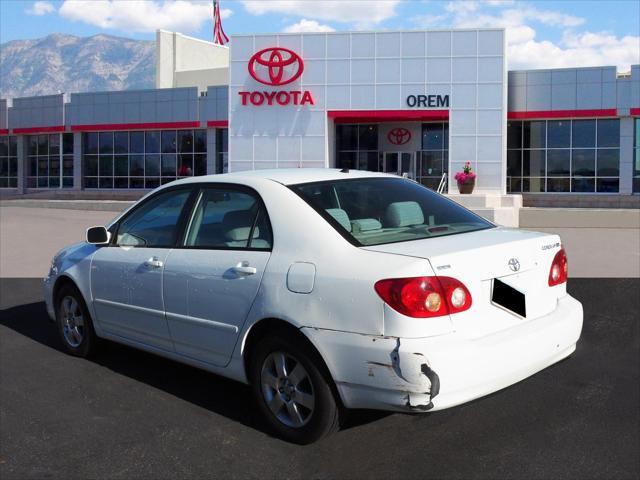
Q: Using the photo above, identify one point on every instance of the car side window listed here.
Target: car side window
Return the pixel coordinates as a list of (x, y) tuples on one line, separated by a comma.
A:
[(227, 218), (155, 223)]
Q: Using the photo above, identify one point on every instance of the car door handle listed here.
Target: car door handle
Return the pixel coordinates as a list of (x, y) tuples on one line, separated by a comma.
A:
[(154, 262), (243, 268)]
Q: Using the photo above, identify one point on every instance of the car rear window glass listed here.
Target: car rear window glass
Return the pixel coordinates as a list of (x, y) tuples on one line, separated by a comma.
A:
[(375, 211)]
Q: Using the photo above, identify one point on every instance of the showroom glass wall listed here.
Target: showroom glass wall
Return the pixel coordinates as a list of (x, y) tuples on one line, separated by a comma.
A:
[(580, 156), (142, 159), (50, 160), (8, 162), (357, 147), (433, 160)]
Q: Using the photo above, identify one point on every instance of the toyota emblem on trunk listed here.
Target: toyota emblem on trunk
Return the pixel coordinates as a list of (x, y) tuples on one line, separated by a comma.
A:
[(514, 264)]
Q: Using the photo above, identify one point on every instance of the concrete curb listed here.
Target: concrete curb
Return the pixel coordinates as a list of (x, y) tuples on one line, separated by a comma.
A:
[(579, 218), (99, 205)]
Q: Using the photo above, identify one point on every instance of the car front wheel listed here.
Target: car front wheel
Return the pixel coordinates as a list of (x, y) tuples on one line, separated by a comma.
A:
[(292, 392), (74, 323)]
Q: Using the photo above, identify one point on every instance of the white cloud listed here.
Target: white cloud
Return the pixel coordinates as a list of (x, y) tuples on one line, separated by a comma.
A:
[(40, 8), (305, 25), (430, 20), (586, 49), (574, 49), (141, 15), (362, 13), (499, 3), (550, 17)]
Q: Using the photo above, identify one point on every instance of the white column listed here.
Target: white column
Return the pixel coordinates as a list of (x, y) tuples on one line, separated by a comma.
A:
[(626, 155), (78, 174), (60, 156), (211, 151), (23, 163)]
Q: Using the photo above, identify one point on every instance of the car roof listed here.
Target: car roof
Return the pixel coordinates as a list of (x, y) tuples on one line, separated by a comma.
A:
[(289, 176)]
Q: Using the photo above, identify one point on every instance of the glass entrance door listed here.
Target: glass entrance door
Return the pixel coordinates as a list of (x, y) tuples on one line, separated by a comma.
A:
[(400, 163)]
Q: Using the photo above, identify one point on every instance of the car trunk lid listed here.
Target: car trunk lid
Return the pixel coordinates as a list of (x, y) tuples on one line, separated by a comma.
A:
[(520, 259)]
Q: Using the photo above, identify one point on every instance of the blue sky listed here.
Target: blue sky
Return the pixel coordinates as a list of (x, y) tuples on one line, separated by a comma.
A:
[(540, 33)]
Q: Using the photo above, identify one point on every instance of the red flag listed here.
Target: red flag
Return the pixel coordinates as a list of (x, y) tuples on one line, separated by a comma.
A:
[(219, 36)]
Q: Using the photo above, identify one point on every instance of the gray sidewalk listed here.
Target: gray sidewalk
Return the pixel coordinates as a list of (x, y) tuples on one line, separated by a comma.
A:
[(599, 243)]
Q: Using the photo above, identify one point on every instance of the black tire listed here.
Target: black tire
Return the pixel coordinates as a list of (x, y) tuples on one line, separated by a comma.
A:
[(88, 344), (324, 419)]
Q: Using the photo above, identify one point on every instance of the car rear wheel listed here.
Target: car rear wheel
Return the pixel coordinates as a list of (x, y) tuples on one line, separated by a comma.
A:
[(74, 323), (292, 390)]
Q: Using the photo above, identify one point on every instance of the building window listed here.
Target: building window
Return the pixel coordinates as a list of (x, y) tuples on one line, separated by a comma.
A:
[(8, 162), (222, 150), (636, 157), (433, 160), (50, 160), (357, 147), (142, 159), (579, 156)]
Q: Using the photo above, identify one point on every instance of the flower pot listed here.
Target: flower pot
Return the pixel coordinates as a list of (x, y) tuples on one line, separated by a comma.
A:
[(466, 187)]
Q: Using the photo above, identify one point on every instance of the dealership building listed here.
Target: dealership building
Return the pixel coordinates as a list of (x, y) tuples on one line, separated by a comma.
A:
[(414, 103)]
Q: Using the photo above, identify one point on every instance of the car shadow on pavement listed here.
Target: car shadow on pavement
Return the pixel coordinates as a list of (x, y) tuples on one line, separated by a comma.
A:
[(191, 384)]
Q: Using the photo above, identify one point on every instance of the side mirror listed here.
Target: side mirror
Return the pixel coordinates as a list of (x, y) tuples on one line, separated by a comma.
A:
[(98, 236)]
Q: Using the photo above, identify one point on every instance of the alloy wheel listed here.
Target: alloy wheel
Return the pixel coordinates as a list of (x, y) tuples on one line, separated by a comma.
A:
[(72, 321), (287, 389)]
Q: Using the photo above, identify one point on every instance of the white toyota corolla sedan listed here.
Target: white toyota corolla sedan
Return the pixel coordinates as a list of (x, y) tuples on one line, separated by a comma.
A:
[(325, 290)]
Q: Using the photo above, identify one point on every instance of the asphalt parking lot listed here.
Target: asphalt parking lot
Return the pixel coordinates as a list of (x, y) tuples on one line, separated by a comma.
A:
[(131, 414)]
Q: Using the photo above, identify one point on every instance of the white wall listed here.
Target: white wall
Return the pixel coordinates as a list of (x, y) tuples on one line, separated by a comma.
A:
[(211, 77), (375, 71), (183, 61)]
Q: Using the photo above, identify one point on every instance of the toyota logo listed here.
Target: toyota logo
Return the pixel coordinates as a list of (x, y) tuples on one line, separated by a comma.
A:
[(514, 264), (276, 66), (399, 136)]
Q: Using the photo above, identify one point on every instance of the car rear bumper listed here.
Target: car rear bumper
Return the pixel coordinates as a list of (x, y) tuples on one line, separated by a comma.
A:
[(427, 374)]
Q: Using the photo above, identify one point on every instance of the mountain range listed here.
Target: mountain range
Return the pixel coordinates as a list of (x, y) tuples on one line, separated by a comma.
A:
[(66, 63)]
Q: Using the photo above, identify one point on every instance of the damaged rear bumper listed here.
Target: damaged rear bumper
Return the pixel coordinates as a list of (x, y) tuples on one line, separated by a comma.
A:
[(425, 374)]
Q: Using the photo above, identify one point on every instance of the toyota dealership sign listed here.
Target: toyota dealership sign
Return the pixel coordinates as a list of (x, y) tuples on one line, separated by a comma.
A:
[(276, 67), (399, 136)]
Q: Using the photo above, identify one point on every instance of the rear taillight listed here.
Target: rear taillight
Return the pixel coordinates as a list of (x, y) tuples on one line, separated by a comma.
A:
[(424, 297), (559, 269)]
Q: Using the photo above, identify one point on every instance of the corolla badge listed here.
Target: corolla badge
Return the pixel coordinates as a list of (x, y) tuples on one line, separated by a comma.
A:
[(514, 264)]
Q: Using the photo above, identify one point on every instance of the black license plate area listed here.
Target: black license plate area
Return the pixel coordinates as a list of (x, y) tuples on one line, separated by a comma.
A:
[(508, 298)]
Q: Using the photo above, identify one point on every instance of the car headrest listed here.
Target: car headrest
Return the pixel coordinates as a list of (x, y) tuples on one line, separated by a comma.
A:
[(404, 214), (341, 217), (237, 225), (365, 225)]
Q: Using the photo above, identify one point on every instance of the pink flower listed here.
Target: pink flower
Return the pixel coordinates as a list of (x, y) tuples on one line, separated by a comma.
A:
[(466, 175), (462, 177)]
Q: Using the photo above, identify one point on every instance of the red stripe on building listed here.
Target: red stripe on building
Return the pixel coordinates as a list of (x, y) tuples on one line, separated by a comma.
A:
[(134, 126), (4, 131), (609, 112), (349, 116), (31, 130), (218, 123), (635, 112)]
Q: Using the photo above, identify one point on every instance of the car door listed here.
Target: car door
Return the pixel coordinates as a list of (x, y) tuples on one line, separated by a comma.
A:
[(126, 276), (212, 279)]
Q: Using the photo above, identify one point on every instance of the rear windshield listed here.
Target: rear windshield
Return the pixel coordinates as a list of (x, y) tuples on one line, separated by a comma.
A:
[(374, 211)]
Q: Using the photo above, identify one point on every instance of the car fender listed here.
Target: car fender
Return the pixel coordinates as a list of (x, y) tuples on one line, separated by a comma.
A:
[(74, 263)]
